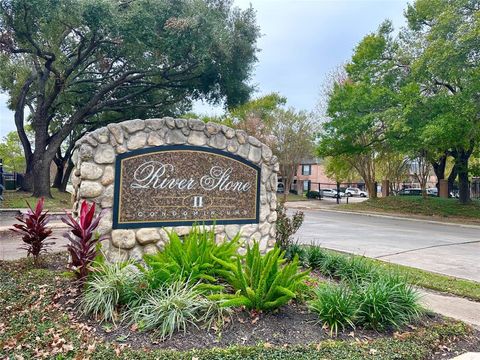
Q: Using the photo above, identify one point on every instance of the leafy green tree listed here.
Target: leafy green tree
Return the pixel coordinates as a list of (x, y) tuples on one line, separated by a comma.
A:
[(340, 168), (11, 153), (394, 167), (293, 139), (71, 60), (443, 41), (288, 132)]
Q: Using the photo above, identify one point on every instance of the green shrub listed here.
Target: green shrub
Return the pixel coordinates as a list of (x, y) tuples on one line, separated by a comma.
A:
[(356, 269), (191, 258), (331, 263), (172, 308), (286, 226), (109, 286), (296, 250), (335, 306), (388, 302), (263, 282), (313, 194), (315, 256)]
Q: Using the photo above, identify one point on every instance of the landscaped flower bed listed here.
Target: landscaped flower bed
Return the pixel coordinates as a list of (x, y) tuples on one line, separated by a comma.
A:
[(39, 318), (197, 294)]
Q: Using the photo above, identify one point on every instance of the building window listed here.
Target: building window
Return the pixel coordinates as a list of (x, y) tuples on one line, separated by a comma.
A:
[(306, 185), (306, 169)]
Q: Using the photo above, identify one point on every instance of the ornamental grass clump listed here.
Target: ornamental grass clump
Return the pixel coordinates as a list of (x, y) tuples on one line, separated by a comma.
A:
[(191, 258), (335, 306), (34, 230), (388, 302), (314, 256), (82, 245), (357, 269), (173, 307), (109, 286), (383, 303), (262, 282)]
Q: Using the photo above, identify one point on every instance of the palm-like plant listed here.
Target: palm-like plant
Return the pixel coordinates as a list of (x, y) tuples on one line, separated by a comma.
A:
[(83, 243), (263, 282), (34, 230)]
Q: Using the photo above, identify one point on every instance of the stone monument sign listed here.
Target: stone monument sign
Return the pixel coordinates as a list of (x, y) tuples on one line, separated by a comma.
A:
[(156, 175)]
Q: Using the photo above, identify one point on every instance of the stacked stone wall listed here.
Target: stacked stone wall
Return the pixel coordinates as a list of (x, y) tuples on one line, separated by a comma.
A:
[(94, 174)]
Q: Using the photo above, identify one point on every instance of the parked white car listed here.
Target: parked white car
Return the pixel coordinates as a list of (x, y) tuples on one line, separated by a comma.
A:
[(355, 192), (331, 193)]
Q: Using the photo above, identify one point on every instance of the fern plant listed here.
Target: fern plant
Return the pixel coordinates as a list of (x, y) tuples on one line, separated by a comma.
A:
[(191, 258), (263, 282)]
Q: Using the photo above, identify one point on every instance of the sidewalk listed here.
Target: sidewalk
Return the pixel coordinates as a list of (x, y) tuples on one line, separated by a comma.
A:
[(452, 306)]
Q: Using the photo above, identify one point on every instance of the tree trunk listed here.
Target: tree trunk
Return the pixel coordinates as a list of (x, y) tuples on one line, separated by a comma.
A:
[(452, 177), (372, 191), (439, 170), (463, 184), (41, 175), (66, 177), (57, 182), (27, 184)]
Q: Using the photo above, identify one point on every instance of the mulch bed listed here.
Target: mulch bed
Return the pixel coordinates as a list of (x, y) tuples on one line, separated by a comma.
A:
[(291, 325)]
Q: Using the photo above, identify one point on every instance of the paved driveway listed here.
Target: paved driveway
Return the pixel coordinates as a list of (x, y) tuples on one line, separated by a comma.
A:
[(442, 248)]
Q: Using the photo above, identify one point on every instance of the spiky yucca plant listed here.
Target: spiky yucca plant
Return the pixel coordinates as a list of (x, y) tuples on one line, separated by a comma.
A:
[(34, 230), (83, 243), (263, 282)]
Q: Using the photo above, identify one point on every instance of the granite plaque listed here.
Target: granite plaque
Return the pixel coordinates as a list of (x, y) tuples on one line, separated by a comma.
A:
[(180, 185)]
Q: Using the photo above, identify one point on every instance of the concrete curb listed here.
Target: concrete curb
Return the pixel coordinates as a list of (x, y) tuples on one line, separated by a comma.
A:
[(6, 229), (24, 210), (392, 217)]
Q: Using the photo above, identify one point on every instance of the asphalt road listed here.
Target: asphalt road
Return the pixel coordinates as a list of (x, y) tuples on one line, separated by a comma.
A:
[(443, 248)]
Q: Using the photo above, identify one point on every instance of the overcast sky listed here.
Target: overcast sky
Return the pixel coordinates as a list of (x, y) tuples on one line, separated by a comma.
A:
[(302, 40)]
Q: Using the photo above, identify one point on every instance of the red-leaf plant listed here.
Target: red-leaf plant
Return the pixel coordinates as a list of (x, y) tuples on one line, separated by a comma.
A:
[(83, 242), (34, 230)]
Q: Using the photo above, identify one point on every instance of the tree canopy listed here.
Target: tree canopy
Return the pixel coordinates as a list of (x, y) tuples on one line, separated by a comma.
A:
[(68, 61), (416, 92)]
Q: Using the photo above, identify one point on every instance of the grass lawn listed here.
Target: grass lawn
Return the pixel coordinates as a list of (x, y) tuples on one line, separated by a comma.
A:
[(432, 206), (293, 197), (447, 284), (16, 200), (38, 319)]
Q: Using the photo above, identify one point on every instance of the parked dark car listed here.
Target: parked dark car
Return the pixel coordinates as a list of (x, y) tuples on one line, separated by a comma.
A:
[(410, 192), (415, 192)]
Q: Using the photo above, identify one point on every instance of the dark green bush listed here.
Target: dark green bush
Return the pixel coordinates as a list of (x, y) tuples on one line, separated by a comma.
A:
[(313, 195), (357, 269), (298, 250), (263, 282), (335, 306), (331, 263), (387, 302), (286, 226), (315, 256), (191, 258)]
